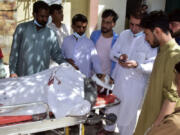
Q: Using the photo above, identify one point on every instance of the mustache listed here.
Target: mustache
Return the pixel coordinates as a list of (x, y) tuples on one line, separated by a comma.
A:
[(103, 28)]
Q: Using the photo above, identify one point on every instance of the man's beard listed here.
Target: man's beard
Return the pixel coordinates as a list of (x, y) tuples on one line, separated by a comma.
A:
[(176, 34), (104, 30), (43, 24), (155, 45), (155, 42)]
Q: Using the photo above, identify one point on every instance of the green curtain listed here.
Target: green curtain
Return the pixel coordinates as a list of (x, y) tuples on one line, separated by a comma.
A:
[(171, 5)]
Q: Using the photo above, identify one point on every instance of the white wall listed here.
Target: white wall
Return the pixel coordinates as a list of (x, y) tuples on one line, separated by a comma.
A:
[(119, 6), (67, 15)]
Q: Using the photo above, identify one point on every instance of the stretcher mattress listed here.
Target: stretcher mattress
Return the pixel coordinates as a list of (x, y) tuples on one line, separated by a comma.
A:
[(101, 100)]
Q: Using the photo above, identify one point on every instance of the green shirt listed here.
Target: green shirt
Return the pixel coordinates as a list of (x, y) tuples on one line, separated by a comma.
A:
[(32, 49), (161, 85)]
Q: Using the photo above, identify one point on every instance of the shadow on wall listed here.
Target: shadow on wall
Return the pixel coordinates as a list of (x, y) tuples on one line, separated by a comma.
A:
[(8, 11), (11, 13), (24, 10)]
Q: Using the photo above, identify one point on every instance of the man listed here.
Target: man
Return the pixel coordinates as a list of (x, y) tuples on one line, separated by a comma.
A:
[(170, 125), (34, 44), (104, 40), (174, 24), (134, 58), (162, 94), (56, 12), (79, 50)]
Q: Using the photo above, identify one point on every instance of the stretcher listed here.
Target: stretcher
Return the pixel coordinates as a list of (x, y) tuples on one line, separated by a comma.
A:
[(28, 124), (61, 90)]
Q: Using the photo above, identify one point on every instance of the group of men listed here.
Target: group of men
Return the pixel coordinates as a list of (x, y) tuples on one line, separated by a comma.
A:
[(128, 58)]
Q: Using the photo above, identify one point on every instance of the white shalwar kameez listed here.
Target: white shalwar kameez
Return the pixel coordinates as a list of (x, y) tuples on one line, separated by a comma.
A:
[(130, 83)]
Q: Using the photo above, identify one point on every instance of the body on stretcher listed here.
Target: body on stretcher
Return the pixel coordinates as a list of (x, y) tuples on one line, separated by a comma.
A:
[(27, 124), (63, 88)]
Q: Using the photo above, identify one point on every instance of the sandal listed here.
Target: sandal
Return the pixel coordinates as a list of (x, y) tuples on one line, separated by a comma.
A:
[(104, 132)]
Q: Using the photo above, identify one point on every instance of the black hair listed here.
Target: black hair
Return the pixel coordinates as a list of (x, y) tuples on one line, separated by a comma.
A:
[(156, 19), (110, 12), (174, 15), (79, 18), (40, 5), (177, 67), (137, 13), (54, 7), (144, 5)]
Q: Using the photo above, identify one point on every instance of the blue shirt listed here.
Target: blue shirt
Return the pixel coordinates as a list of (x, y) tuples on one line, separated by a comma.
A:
[(95, 37), (32, 49), (83, 52)]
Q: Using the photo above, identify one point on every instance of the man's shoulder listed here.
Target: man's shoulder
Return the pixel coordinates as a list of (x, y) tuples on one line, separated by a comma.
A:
[(88, 39), (96, 32), (127, 31), (173, 56), (115, 34), (52, 26), (125, 34), (22, 27), (175, 50), (173, 53), (88, 42), (68, 37), (50, 29), (25, 24)]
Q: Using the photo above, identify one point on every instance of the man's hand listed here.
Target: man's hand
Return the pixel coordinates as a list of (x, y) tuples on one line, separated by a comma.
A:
[(123, 57), (70, 61), (129, 64), (14, 75)]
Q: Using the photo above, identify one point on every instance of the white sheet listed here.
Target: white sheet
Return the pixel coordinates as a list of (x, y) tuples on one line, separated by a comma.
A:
[(64, 96)]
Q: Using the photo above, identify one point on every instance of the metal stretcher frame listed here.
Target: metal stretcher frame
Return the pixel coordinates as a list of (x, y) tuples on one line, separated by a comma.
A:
[(47, 124), (42, 125)]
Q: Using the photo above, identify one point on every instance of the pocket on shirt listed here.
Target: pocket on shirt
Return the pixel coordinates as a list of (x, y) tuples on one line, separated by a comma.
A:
[(140, 57)]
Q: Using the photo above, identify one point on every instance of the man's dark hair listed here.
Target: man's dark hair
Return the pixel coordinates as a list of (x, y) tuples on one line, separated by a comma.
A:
[(110, 12), (40, 5), (177, 67), (174, 15), (144, 5), (155, 19), (54, 7), (79, 18), (137, 13)]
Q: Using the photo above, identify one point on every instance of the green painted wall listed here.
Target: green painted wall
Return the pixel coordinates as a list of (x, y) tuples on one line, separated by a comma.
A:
[(79, 6), (171, 5)]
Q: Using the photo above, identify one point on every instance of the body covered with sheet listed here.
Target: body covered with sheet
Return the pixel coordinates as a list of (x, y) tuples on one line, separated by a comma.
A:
[(61, 87)]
